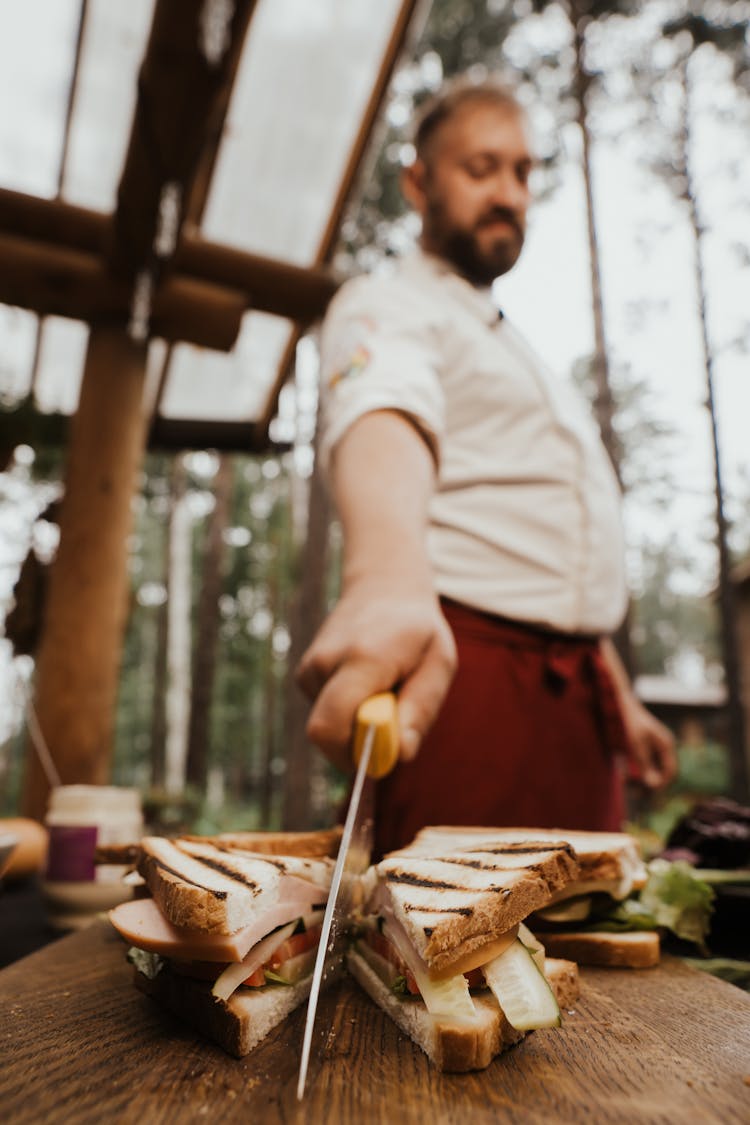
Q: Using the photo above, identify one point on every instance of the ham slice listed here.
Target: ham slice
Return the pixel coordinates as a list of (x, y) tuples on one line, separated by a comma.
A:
[(142, 924)]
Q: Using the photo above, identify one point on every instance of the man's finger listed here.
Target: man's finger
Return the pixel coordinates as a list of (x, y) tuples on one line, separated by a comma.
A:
[(331, 721), (315, 668), (421, 696)]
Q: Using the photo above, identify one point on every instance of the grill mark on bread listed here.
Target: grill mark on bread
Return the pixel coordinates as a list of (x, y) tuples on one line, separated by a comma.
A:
[(526, 849), (464, 911), (239, 852), (421, 881), (179, 875), (229, 872), (478, 865)]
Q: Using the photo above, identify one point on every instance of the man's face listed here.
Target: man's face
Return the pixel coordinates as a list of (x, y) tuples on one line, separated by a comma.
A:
[(472, 190)]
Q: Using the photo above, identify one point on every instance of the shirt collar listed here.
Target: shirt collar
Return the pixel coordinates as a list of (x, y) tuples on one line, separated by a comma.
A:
[(477, 301)]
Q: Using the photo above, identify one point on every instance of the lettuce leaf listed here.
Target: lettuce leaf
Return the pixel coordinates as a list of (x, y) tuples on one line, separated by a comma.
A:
[(675, 898), (150, 964), (679, 899)]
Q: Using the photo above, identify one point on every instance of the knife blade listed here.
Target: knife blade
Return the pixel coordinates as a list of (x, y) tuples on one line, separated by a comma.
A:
[(375, 753)]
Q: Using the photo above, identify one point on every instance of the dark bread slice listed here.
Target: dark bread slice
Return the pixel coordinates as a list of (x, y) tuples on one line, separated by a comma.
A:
[(238, 1024), (455, 902), (633, 950), (454, 1047)]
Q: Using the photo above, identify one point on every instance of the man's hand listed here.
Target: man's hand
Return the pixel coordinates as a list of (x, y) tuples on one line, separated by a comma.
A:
[(377, 638), (651, 743)]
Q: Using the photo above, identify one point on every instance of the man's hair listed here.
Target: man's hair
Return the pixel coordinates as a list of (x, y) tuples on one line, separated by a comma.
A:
[(452, 97)]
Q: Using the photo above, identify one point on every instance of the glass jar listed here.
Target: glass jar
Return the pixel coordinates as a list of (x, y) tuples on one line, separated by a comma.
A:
[(80, 818)]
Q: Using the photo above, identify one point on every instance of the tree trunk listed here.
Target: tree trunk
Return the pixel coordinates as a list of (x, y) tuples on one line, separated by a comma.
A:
[(306, 613), (178, 634), (604, 406), (159, 711), (727, 602), (81, 646), (207, 629)]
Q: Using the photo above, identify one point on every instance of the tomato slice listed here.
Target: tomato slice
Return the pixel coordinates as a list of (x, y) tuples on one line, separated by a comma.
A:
[(380, 943), (292, 947)]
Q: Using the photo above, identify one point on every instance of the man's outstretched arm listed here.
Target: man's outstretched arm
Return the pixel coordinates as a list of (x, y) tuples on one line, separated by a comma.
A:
[(387, 630)]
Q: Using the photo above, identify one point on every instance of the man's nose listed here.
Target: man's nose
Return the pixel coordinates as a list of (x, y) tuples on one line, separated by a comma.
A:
[(508, 191)]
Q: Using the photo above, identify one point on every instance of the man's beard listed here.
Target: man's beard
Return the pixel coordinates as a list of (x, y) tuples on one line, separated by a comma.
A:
[(479, 265)]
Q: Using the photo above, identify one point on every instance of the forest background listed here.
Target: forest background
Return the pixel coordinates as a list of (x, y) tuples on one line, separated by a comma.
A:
[(632, 284)]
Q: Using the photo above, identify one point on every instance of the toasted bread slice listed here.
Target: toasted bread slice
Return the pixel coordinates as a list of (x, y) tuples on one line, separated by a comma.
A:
[(609, 861), (200, 886), (238, 1024), (459, 1047), (634, 950), (324, 842), (454, 902)]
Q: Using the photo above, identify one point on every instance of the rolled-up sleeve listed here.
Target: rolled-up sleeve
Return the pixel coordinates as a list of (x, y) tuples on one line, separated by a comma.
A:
[(379, 351)]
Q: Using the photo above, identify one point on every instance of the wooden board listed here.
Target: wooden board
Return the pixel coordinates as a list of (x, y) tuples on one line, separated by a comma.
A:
[(81, 1045)]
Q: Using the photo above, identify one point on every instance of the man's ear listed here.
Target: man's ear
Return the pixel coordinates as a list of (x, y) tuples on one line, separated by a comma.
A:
[(413, 185)]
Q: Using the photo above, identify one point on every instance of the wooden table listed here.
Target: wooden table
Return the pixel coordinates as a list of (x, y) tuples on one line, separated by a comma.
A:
[(80, 1044)]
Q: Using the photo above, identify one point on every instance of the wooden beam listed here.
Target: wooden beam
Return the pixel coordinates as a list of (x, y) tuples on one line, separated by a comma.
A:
[(27, 425), (56, 281), (280, 288), (295, 292), (53, 221), (183, 89), (203, 433)]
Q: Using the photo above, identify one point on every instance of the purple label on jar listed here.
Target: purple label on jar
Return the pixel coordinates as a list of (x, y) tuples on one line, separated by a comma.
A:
[(71, 854)]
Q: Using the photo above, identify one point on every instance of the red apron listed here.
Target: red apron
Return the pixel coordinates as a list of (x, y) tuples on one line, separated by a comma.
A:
[(529, 735)]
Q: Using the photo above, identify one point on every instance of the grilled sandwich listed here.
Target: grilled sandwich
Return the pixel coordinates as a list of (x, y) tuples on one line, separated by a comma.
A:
[(228, 939), (441, 945), (570, 925)]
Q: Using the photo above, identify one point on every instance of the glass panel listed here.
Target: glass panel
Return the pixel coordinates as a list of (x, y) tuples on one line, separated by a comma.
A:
[(37, 52), (278, 172), (18, 335), (214, 385), (114, 42), (61, 354)]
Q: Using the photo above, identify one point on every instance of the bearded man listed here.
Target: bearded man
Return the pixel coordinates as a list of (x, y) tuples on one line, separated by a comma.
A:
[(483, 556)]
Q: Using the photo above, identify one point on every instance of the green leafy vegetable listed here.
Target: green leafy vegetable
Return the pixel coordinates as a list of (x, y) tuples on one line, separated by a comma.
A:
[(622, 917), (736, 972), (274, 978), (399, 986), (150, 964), (675, 898), (678, 898)]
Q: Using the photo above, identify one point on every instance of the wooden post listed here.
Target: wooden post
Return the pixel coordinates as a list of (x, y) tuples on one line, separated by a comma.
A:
[(79, 657)]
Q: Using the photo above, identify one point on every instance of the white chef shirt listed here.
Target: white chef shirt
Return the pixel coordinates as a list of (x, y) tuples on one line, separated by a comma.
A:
[(525, 521)]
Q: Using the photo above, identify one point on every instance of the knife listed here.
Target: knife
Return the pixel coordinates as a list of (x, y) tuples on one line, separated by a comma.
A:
[(375, 753)]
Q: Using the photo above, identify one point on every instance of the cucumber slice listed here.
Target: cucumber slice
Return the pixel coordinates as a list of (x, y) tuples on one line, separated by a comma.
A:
[(448, 999), (572, 910), (534, 946), (521, 989)]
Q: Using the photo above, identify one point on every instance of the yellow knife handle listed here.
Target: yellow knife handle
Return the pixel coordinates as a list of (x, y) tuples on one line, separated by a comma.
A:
[(380, 710)]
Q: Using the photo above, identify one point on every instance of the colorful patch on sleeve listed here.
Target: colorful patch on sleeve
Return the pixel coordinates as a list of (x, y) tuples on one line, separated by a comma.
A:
[(353, 351)]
